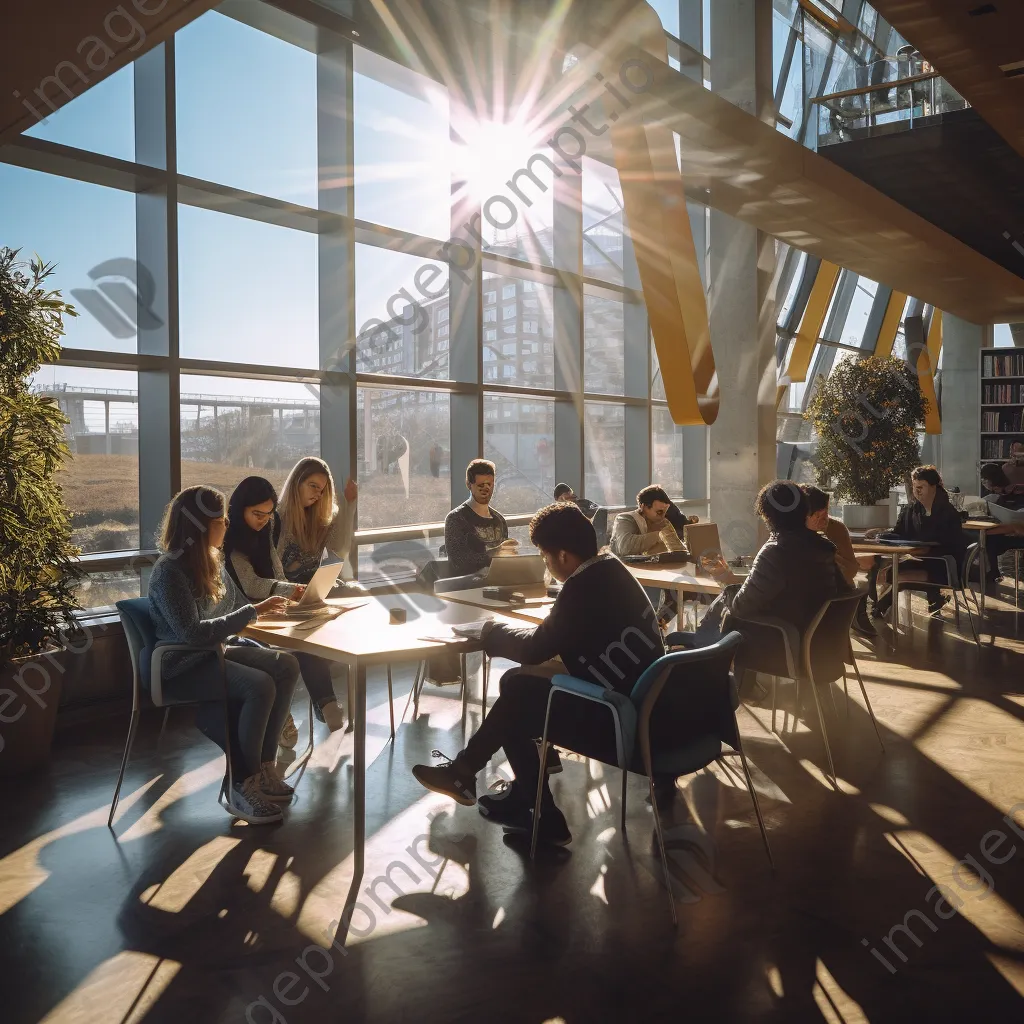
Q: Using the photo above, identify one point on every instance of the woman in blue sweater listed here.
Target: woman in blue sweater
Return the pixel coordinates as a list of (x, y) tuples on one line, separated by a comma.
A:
[(193, 600)]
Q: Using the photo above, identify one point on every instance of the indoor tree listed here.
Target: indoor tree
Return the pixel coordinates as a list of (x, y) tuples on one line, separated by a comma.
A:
[(866, 415), (38, 571)]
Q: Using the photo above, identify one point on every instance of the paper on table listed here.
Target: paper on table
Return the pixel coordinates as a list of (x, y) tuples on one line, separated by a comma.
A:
[(471, 630)]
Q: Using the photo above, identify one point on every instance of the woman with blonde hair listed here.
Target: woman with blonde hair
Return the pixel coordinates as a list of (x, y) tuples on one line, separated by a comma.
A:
[(193, 600), (313, 519)]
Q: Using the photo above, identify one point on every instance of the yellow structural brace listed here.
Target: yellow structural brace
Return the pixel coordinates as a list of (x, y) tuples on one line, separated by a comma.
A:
[(809, 331), (890, 324)]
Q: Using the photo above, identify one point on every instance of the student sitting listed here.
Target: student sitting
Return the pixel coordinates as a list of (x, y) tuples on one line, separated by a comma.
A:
[(563, 492), (1004, 491), (602, 627), (930, 517), (849, 564), (312, 519), (254, 564), (795, 571), (193, 600), (475, 532), (646, 530)]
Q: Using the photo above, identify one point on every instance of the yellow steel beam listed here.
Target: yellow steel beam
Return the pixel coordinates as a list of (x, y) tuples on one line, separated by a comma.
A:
[(811, 323), (890, 324)]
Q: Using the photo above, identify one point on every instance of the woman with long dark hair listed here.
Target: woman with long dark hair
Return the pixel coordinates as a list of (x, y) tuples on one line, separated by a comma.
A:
[(255, 565), (929, 517), (194, 600)]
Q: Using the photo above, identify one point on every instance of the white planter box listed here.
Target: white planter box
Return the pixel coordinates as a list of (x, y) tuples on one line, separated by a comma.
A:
[(867, 517)]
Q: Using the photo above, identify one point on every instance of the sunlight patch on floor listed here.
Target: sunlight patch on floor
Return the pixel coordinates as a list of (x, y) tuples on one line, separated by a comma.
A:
[(122, 989), (21, 872), (399, 862), (835, 1005), (191, 782), (174, 894)]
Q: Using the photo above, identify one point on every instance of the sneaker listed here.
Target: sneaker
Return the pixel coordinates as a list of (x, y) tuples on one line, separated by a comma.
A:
[(289, 734), (504, 803), (272, 786), (331, 715), (448, 779), (249, 804), (507, 805)]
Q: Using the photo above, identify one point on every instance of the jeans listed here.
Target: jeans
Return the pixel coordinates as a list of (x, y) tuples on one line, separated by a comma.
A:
[(516, 720), (260, 683), (316, 674)]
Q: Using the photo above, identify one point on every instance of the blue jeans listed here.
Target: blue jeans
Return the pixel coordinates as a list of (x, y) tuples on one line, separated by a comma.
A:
[(316, 674), (260, 683)]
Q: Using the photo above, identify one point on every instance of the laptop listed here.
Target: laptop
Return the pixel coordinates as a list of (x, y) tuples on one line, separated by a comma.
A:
[(1003, 514), (314, 600), (515, 571)]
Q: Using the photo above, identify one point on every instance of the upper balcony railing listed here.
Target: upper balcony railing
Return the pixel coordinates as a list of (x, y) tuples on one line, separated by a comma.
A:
[(888, 95)]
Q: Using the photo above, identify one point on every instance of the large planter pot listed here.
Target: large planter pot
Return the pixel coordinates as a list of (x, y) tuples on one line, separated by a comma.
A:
[(867, 517), (30, 691)]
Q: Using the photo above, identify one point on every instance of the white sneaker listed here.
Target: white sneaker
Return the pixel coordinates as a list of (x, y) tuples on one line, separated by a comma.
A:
[(333, 716), (289, 734), (272, 786), (248, 803)]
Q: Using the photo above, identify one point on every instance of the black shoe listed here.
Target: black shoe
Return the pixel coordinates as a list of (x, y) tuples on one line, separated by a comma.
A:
[(664, 792), (552, 763), (448, 779), (937, 603), (511, 809), (882, 606)]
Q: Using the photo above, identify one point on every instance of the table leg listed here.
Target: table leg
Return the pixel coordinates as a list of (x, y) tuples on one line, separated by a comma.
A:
[(983, 570), (359, 779), (894, 610)]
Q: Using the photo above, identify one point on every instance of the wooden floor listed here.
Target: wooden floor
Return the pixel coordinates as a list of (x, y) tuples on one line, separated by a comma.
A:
[(180, 916)]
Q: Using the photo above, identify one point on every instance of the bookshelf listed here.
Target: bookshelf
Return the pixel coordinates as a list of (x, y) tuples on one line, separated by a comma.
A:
[(1002, 402)]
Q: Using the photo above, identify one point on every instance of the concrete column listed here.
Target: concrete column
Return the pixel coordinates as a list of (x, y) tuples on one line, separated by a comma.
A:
[(960, 446), (742, 300)]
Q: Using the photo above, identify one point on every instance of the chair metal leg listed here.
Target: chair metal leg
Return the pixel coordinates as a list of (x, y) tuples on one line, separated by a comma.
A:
[(133, 725), (664, 857), (970, 619), (351, 686), (414, 693), (753, 798), (163, 727), (541, 779), (391, 702), (832, 695), (846, 692), (824, 733), (300, 762), (487, 678), (867, 704), (622, 801), (775, 683), (1016, 578), (465, 687), (956, 607)]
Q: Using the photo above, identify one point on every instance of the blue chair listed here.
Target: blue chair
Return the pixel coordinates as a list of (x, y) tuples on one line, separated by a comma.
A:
[(695, 697), (147, 665)]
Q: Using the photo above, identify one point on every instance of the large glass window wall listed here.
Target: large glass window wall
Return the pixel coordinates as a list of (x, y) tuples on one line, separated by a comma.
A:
[(281, 290)]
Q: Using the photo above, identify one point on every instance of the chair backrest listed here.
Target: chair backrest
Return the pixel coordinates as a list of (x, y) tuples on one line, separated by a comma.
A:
[(600, 522), (138, 631), (685, 700), (826, 643)]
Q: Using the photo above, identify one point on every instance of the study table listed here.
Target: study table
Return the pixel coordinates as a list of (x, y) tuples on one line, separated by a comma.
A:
[(667, 578), (896, 552), (982, 526), (363, 636), (535, 610)]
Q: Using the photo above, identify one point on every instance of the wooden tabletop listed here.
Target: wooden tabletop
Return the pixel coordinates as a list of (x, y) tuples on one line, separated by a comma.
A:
[(536, 609), (366, 634), (653, 575), (979, 524), (867, 547)]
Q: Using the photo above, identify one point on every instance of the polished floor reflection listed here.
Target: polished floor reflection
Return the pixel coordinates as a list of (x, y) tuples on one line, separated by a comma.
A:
[(182, 916)]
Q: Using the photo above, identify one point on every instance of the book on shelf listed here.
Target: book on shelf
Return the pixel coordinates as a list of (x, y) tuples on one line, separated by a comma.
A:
[(1003, 365), (1002, 394)]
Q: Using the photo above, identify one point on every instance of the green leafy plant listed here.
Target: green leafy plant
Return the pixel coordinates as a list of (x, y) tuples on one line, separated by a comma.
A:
[(38, 571), (866, 415)]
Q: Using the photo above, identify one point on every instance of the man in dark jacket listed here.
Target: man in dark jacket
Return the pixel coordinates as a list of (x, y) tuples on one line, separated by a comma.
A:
[(603, 628)]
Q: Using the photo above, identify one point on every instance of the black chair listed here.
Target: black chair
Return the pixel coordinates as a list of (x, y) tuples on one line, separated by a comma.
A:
[(954, 581), (674, 722), (818, 657)]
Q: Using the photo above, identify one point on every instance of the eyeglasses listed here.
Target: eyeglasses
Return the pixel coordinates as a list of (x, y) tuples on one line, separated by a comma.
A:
[(260, 517)]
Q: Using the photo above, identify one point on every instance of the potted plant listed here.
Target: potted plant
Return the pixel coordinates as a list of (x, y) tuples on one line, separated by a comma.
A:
[(38, 572), (866, 415)]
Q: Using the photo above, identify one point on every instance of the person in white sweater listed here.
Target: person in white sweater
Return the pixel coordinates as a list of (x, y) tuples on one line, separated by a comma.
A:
[(255, 565), (313, 516)]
